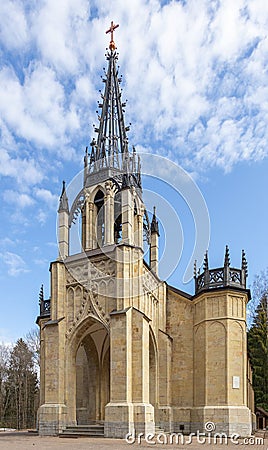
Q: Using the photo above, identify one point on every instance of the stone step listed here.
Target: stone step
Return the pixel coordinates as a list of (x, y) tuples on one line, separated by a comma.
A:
[(84, 427), (94, 430)]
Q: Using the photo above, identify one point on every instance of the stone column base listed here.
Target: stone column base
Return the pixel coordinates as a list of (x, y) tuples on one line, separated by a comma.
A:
[(124, 418), (181, 420), (229, 420), (51, 419), (164, 418), (253, 421)]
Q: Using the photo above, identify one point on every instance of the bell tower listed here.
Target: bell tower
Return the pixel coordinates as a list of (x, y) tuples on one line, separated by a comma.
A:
[(106, 303), (111, 198)]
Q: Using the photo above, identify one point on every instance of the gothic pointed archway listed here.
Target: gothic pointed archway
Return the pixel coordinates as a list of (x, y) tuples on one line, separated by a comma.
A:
[(90, 368)]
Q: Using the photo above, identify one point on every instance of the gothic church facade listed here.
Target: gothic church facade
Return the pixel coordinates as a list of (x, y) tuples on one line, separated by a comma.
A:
[(120, 348)]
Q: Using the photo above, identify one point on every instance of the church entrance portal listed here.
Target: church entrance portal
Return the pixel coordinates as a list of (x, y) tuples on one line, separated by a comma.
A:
[(92, 375)]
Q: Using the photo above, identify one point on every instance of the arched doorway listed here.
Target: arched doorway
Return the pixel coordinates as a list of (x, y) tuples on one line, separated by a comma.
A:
[(92, 364)]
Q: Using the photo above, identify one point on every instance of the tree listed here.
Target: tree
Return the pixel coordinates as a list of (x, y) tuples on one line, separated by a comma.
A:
[(258, 351), (32, 339), (4, 357), (21, 388), (259, 289)]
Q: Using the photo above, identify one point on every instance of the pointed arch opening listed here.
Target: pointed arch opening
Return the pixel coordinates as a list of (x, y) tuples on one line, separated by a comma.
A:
[(117, 218), (99, 218), (92, 368)]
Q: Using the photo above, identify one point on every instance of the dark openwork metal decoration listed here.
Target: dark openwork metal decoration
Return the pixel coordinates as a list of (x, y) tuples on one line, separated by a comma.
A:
[(222, 276), (77, 207), (44, 304), (45, 308)]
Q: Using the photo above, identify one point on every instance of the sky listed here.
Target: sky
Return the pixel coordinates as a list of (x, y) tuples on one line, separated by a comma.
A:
[(195, 77)]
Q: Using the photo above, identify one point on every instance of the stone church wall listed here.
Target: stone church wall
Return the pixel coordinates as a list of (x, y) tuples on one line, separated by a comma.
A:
[(180, 329)]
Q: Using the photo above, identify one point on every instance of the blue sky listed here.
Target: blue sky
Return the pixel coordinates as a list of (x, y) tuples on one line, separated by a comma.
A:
[(196, 83)]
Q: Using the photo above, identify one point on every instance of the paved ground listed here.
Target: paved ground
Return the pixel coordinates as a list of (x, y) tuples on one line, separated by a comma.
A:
[(26, 441)]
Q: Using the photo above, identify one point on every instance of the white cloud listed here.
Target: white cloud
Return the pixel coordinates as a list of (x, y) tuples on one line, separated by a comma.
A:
[(35, 110), (25, 171), (84, 90), (185, 69), (47, 197), (41, 262), (42, 217), (192, 69), (18, 199), (52, 244), (57, 28), (6, 242), (14, 29), (15, 264)]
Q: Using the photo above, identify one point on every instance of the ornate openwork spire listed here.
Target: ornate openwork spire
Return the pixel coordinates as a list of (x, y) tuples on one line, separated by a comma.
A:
[(109, 150), (112, 133)]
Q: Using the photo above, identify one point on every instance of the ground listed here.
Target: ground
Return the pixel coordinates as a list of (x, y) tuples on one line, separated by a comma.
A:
[(26, 441)]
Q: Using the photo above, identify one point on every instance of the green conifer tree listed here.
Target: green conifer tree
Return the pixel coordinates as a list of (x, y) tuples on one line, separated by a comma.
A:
[(258, 352)]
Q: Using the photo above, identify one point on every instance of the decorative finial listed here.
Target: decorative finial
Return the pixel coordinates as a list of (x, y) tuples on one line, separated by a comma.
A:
[(205, 265), (154, 224), (93, 143), (86, 157), (63, 205), (63, 188), (126, 182), (244, 264), (41, 294), (111, 30), (227, 257)]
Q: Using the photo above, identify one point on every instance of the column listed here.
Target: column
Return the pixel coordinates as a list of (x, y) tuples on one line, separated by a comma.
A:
[(129, 408), (109, 214), (63, 237), (127, 217)]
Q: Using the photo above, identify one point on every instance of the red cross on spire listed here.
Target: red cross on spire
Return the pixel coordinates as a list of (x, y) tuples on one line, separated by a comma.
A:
[(111, 30)]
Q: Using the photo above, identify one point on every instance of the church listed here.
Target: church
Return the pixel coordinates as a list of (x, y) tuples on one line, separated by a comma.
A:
[(122, 351)]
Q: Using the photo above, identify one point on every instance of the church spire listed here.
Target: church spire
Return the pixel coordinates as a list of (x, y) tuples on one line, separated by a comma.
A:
[(109, 150), (111, 146)]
